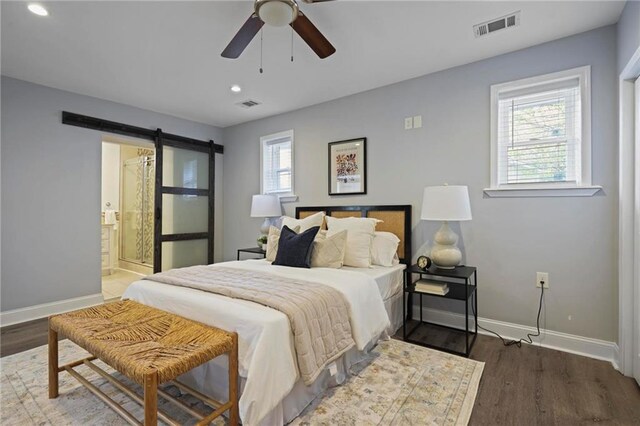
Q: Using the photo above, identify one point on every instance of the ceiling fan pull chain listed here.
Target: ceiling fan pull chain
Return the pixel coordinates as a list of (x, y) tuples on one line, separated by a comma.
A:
[(291, 44), (260, 51)]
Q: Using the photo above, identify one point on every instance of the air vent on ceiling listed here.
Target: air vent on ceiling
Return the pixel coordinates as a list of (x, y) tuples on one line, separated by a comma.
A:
[(504, 22), (248, 103)]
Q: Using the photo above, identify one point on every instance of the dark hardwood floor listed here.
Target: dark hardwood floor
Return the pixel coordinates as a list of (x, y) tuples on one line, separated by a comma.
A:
[(519, 386), (24, 336), (539, 386)]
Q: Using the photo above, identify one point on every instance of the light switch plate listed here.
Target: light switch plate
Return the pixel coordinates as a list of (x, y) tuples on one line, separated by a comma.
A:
[(417, 122), (408, 123)]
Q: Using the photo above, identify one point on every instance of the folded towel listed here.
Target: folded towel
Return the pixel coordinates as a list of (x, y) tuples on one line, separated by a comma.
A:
[(110, 218)]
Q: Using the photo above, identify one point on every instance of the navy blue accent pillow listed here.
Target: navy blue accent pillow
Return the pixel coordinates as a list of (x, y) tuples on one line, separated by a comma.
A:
[(295, 249)]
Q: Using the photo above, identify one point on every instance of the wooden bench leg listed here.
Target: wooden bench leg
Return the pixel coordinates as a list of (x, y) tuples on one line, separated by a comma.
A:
[(234, 413), (151, 399), (53, 363)]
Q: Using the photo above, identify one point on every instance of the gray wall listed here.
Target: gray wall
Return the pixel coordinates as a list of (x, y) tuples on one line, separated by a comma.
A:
[(574, 239), (628, 33), (51, 190)]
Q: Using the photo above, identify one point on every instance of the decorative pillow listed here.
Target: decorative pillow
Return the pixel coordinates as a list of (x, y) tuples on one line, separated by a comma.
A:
[(272, 242), (384, 249), (304, 224), (364, 224), (328, 251), (360, 232), (295, 249)]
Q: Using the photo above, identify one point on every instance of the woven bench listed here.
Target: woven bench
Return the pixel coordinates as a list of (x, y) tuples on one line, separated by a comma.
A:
[(150, 347)]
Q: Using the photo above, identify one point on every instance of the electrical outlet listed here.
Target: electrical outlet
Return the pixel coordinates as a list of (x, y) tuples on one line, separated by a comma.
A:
[(408, 123), (542, 279)]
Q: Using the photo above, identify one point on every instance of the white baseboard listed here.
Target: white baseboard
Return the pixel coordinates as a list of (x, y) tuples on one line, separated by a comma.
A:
[(616, 358), (579, 345), (16, 316)]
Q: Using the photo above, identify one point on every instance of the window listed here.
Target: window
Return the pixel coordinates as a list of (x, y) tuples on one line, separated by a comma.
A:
[(541, 136), (277, 164)]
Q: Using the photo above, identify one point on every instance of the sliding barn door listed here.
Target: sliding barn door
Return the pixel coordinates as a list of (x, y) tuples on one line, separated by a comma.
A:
[(184, 203)]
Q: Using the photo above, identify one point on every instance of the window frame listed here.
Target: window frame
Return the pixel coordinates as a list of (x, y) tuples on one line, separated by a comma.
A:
[(264, 140), (583, 185)]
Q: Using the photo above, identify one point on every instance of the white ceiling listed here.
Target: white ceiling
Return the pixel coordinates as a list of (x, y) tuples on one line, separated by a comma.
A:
[(165, 56)]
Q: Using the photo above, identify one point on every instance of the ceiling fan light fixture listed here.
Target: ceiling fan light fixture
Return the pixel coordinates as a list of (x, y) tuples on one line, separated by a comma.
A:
[(277, 13)]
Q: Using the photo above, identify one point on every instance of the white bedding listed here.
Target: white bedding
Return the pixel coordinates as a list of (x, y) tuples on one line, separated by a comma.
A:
[(388, 279), (261, 329)]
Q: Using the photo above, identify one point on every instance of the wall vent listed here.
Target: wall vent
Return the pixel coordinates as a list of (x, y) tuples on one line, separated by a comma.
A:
[(502, 23), (249, 103)]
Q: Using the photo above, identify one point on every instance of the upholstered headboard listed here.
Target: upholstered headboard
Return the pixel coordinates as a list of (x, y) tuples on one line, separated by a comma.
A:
[(396, 219)]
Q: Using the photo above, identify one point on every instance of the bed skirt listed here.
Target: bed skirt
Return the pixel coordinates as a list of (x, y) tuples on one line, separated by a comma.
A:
[(393, 306), (211, 379)]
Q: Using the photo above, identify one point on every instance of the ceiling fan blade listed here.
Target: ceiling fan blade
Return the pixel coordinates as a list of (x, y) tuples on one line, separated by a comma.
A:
[(312, 36), (244, 36)]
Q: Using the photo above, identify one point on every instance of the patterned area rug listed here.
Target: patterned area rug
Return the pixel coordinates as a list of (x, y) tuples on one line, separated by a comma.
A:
[(399, 384)]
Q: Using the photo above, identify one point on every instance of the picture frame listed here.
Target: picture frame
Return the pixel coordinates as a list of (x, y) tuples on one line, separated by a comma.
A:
[(348, 167)]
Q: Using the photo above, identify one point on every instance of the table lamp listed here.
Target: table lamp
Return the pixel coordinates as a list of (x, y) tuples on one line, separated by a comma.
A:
[(266, 206), (446, 203)]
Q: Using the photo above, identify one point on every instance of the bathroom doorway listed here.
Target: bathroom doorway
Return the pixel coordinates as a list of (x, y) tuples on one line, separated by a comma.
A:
[(127, 219)]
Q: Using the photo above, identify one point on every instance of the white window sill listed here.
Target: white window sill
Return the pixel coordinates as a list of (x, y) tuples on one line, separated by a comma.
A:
[(289, 198), (576, 191)]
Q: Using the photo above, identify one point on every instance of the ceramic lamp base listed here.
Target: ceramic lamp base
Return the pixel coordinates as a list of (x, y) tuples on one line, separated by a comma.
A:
[(445, 254), (264, 229)]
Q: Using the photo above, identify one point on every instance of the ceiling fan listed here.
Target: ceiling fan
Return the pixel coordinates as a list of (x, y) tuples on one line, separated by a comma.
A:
[(279, 13)]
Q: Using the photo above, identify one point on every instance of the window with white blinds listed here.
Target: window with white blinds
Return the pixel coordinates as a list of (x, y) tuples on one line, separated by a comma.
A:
[(541, 132), (277, 163), (539, 135)]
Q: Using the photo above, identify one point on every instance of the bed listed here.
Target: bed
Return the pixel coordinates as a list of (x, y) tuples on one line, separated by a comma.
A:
[(272, 389)]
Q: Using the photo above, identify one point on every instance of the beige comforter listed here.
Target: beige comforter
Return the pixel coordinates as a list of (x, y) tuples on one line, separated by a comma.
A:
[(318, 314)]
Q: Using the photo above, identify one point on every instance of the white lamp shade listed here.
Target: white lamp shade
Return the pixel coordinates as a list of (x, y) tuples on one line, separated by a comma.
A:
[(444, 203), (265, 206)]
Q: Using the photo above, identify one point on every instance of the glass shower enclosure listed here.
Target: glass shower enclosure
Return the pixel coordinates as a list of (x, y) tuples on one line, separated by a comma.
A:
[(138, 186)]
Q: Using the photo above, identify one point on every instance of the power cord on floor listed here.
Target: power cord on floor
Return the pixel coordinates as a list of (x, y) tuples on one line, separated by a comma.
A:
[(528, 339)]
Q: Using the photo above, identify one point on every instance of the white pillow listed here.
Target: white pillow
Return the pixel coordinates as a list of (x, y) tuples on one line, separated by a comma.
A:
[(363, 224), (384, 249), (304, 224), (360, 232)]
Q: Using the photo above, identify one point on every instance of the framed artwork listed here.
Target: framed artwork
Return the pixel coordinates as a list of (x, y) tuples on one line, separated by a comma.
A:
[(348, 167)]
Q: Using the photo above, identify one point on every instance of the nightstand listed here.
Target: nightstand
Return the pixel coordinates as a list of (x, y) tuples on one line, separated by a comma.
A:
[(252, 250), (462, 283)]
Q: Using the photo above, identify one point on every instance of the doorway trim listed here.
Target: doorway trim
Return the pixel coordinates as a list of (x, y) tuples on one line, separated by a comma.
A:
[(629, 189)]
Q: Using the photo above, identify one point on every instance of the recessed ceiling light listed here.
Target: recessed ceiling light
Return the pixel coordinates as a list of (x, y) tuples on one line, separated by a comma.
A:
[(236, 89), (38, 9)]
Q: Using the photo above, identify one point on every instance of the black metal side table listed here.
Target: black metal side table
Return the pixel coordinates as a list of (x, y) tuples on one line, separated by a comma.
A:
[(463, 283), (252, 250)]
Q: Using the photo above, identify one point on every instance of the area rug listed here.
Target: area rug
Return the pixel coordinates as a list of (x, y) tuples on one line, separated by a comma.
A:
[(398, 384)]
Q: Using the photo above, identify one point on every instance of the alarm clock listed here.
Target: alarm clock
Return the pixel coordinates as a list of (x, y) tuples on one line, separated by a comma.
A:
[(424, 262)]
